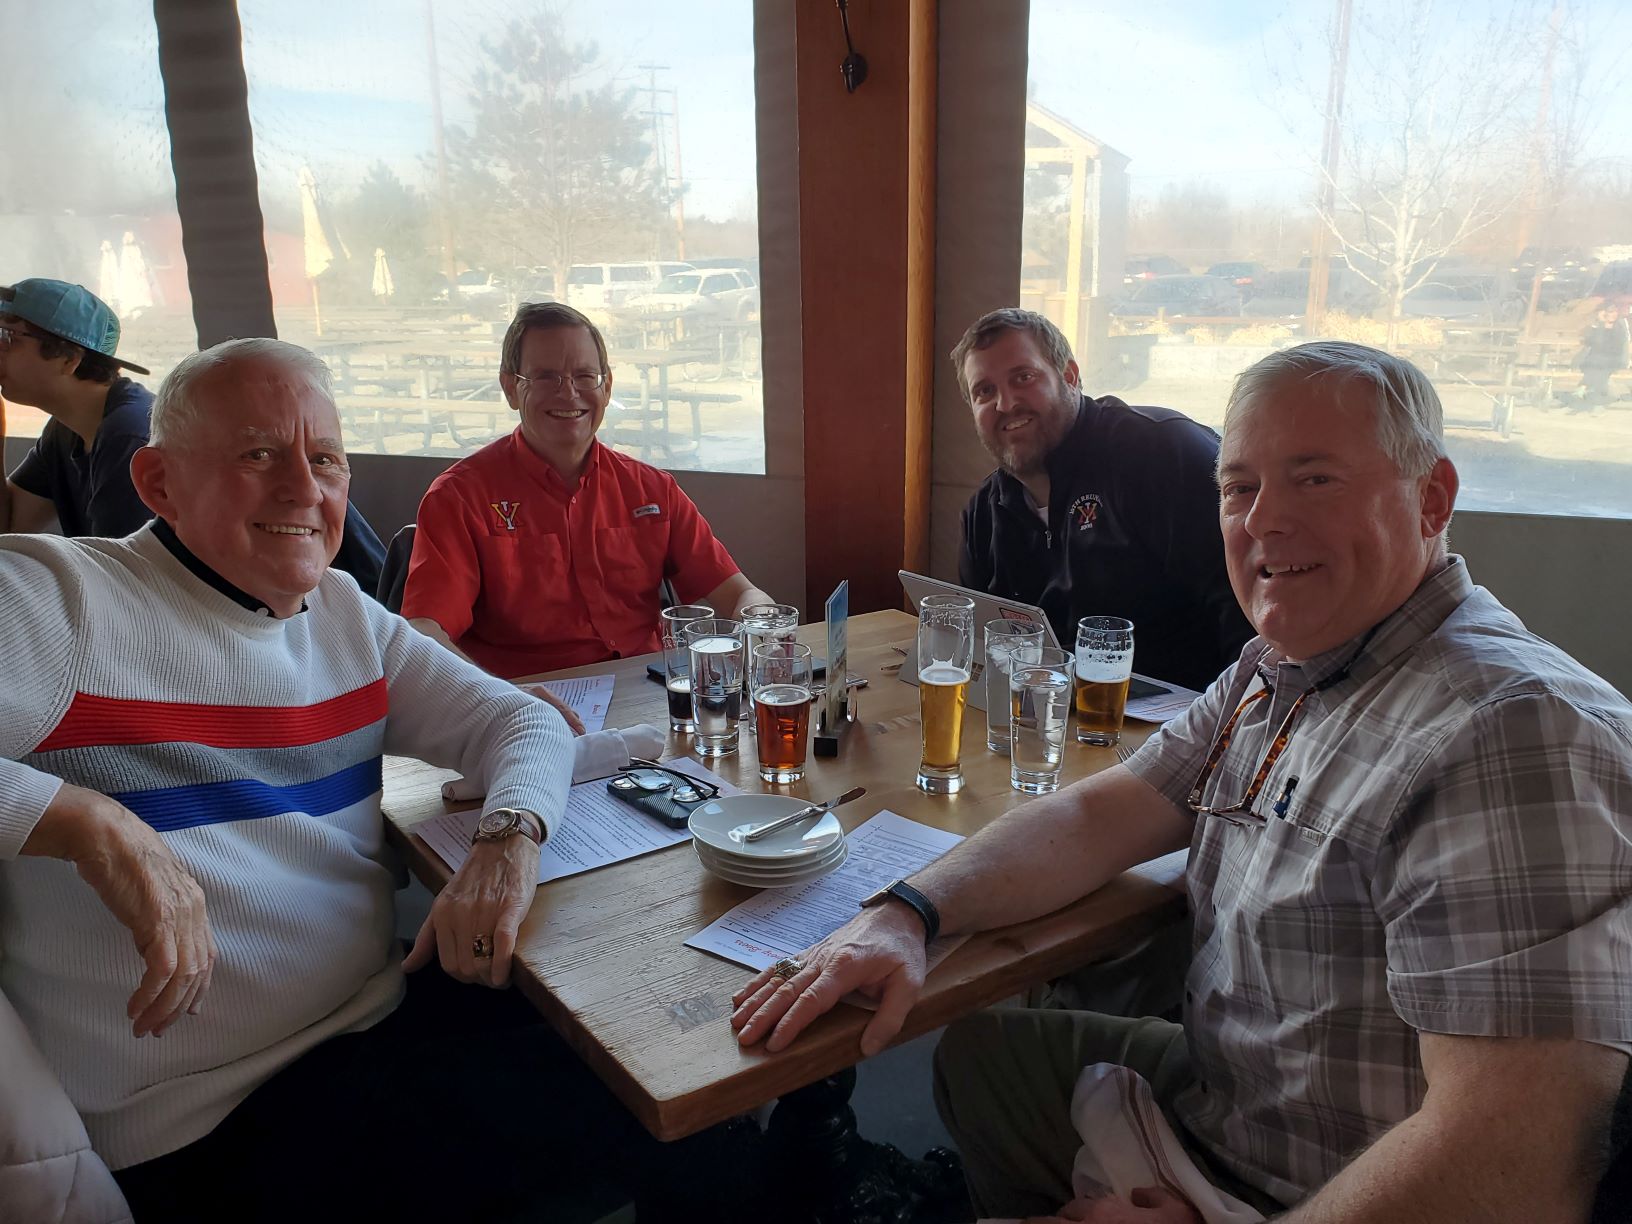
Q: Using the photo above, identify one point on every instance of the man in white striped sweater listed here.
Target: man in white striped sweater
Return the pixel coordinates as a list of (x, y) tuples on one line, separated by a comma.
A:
[(196, 921)]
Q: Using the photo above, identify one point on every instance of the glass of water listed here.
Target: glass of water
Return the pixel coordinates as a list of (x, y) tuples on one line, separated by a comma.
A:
[(763, 625), (1040, 708), (717, 664), (1104, 667), (1005, 640)]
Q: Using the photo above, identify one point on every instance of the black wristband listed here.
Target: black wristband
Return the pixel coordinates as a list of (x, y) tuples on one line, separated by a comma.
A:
[(903, 891)]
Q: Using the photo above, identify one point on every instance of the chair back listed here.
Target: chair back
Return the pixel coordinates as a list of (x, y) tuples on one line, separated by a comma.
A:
[(1613, 1204), (394, 571)]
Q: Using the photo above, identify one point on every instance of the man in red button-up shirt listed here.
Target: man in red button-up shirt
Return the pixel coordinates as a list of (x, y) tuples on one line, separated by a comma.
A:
[(546, 549)]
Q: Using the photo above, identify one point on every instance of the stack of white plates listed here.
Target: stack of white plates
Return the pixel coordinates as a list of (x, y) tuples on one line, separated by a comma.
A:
[(804, 851)]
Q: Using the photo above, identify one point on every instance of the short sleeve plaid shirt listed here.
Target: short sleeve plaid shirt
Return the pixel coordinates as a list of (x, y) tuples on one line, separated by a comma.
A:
[(1445, 845)]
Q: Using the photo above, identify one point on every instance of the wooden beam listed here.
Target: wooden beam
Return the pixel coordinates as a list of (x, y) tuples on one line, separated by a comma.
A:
[(866, 237)]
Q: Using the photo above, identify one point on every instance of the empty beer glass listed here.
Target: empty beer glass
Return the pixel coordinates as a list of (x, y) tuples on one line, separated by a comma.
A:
[(762, 623), (1039, 709), (1005, 638), (1104, 667), (677, 661), (779, 677), (717, 666), (946, 658)]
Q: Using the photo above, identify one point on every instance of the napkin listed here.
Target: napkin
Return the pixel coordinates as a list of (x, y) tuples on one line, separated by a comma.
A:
[(594, 756)]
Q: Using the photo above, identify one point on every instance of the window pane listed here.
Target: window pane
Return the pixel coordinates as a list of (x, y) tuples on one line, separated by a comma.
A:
[(401, 246), (1476, 222), (86, 190)]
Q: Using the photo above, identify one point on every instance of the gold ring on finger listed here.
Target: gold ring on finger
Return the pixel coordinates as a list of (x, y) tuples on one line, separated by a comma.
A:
[(787, 967), (481, 948)]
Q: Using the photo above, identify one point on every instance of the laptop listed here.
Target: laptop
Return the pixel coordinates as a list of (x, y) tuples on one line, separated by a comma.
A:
[(987, 608), (1148, 699)]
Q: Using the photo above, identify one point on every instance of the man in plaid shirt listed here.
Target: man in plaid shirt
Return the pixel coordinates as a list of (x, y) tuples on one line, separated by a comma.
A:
[(1410, 832)]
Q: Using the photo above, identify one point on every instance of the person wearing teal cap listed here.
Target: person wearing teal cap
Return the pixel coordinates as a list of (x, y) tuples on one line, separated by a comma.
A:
[(57, 353)]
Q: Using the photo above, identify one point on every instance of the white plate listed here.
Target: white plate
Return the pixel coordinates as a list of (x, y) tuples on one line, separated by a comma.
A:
[(759, 881), (721, 823), (772, 871)]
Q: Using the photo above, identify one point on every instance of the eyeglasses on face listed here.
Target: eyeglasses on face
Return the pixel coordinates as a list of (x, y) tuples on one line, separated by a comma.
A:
[(10, 333), (550, 383)]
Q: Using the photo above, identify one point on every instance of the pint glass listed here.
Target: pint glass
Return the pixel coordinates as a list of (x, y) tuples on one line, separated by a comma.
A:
[(1104, 666), (946, 656), (677, 661), (1006, 641), (716, 683), (763, 623), (779, 676), (1040, 696)]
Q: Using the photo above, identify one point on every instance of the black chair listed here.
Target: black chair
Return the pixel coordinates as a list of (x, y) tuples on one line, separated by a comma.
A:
[(394, 571), (1613, 1204)]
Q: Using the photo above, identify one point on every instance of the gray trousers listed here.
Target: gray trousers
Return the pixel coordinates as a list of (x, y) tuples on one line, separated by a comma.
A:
[(1003, 1084)]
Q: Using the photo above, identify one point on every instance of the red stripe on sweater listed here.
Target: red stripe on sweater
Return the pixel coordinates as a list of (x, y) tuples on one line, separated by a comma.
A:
[(106, 721)]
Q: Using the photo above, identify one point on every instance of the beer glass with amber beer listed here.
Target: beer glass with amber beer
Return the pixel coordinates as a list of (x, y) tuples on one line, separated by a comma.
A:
[(946, 657), (1104, 667), (779, 677)]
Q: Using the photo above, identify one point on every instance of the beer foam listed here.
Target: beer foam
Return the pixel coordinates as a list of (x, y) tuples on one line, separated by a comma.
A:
[(716, 645), (943, 673), (1102, 669)]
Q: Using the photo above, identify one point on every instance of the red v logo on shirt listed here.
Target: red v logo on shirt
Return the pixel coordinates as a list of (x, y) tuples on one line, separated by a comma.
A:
[(506, 510)]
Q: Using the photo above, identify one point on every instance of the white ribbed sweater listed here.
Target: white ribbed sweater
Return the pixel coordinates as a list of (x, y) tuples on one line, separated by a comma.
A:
[(270, 798)]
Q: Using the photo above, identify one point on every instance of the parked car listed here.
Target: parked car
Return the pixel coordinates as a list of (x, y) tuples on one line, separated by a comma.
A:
[(1614, 284), (718, 293), (748, 265), (601, 286), (1243, 274), (479, 287), (1466, 297), (1285, 295), (1140, 268), (1181, 297)]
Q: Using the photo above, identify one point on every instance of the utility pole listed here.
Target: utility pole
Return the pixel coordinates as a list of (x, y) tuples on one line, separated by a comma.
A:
[(444, 214), (673, 186), (1330, 152), (1534, 190)]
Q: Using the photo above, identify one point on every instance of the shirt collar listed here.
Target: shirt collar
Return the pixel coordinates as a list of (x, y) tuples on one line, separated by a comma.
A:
[(168, 537), (1363, 657), (539, 468)]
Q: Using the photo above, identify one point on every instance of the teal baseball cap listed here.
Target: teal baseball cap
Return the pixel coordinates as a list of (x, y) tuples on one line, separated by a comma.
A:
[(70, 311)]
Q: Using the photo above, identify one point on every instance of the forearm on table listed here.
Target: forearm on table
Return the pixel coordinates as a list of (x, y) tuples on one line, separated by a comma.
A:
[(1052, 851)]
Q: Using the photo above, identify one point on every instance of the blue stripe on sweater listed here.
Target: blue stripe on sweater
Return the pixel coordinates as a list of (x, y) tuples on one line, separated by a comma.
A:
[(187, 807)]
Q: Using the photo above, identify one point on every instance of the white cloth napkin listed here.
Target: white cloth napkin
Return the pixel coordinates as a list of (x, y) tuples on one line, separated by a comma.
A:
[(594, 756), (1127, 1144)]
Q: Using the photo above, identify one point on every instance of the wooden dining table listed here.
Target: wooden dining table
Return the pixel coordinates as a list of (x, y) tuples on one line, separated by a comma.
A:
[(602, 954)]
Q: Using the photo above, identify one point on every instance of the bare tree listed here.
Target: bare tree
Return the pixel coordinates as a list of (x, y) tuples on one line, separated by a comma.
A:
[(1432, 136)]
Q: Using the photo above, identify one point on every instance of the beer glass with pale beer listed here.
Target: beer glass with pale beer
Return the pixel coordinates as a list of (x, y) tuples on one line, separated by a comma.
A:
[(779, 678), (762, 623), (1040, 696), (1104, 667), (946, 658), (717, 667), (1006, 640), (677, 661)]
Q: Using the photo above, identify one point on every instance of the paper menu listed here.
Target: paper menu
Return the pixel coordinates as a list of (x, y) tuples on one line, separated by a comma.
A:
[(595, 830), (589, 696), (1161, 707), (780, 922)]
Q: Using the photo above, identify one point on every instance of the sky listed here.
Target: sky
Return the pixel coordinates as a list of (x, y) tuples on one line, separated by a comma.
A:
[(1186, 88)]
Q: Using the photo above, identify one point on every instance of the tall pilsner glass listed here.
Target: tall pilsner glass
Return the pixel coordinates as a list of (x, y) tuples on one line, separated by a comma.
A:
[(1104, 667), (946, 657), (677, 661), (717, 667)]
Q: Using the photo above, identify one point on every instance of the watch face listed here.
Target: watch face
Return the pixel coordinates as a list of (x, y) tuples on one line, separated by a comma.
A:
[(493, 823)]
